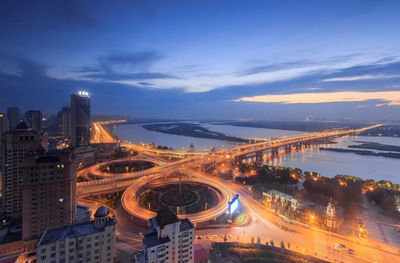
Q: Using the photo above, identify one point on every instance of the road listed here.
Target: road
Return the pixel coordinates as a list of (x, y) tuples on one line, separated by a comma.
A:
[(264, 224)]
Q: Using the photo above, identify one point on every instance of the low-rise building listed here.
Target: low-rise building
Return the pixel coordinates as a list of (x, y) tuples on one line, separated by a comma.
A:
[(91, 154), (170, 240), (92, 241), (274, 197)]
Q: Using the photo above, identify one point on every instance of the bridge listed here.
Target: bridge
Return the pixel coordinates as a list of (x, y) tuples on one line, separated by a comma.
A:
[(118, 182), (318, 240), (240, 152)]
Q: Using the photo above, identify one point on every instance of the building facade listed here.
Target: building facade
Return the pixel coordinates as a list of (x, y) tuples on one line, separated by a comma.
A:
[(330, 215), (16, 145), (92, 241), (80, 119), (170, 239), (65, 121), (49, 192), (34, 120), (274, 197), (13, 117), (3, 124)]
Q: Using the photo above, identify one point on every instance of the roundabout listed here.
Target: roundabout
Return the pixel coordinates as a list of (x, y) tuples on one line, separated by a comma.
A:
[(124, 168), (183, 197), (195, 196)]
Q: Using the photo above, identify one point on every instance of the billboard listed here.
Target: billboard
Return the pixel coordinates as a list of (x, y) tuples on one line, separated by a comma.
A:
[(233, 205)]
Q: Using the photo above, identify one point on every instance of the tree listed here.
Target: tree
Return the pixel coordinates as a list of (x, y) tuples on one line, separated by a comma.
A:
[(282, 245)]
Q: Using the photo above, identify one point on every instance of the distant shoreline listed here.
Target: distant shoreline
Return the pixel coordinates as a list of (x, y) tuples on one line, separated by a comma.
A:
[(363, 152), (191, 130)]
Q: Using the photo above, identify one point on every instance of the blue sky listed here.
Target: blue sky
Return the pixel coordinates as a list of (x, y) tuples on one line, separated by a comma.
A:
[(205, 59)]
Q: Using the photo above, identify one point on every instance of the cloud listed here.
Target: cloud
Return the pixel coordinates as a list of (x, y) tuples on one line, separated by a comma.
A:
[(362, 77), (390, 98), (131, 62), (117, 68)]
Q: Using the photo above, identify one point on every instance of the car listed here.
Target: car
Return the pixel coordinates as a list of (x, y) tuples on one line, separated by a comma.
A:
[(199, 237), (338, 247), (350, 251)]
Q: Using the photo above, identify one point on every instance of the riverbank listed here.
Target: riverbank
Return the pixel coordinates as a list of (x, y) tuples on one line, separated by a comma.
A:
[(362, 152), (304, 126), (375, 146)]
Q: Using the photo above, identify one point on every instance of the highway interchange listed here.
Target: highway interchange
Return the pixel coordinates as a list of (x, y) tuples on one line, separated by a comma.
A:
[(264, 225)]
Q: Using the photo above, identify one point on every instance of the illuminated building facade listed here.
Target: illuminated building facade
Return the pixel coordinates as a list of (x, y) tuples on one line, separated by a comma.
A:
[(49, 192), (80, 119), (171, 239), (330, 216), (65, 121), (88, 242), (16, 145)]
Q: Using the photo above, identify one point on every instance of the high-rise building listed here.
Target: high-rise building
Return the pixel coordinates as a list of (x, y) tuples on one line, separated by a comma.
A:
[(65, 121), (49, 192), (16, 145), (13, 117), (92, 241), (80, 119), (3, 129), (34, 119), (3, 124), (170, 240)]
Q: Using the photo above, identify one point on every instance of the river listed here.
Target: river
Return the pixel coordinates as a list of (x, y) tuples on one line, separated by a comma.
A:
[(327, 163)]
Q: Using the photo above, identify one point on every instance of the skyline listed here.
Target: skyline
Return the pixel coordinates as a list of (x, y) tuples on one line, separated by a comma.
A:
[(190, 60)]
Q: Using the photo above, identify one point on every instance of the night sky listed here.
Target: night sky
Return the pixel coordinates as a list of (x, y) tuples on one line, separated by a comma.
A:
[(230, 59)]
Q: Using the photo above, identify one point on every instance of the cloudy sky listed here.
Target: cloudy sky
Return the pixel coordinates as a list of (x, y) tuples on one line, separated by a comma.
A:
[(228, 59)]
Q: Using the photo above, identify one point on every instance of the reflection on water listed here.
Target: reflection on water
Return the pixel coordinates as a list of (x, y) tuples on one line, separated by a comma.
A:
[(311, 159), (330, 163)]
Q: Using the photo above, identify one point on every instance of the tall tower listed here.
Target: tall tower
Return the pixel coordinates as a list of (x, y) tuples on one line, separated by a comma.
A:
[(80, 119), (65, 122), (16, 145), (13, 117), (34, 119), (330, 216), (3, 126), (3, 129), (49, 192)]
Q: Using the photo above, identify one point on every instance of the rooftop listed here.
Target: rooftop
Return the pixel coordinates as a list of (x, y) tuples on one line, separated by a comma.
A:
[(186, 225), (151, 240), (101, 212), (21, 126), (71, 231), (165, 217)]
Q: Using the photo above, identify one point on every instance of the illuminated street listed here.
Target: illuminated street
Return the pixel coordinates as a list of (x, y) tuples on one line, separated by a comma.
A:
[(265, 225), (200, 131)]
